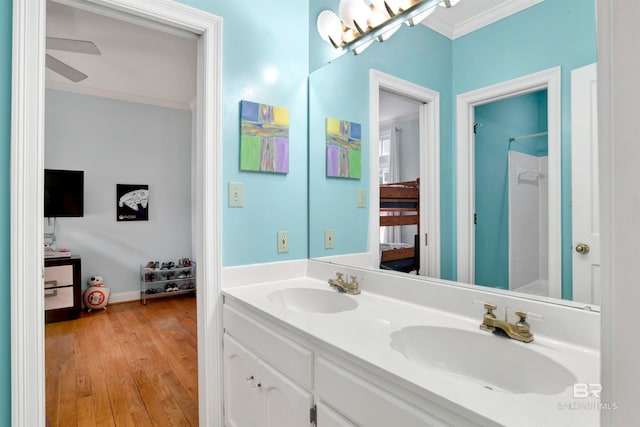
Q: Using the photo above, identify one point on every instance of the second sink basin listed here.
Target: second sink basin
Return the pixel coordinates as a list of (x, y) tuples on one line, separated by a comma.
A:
[(496, 363), (311, 300)]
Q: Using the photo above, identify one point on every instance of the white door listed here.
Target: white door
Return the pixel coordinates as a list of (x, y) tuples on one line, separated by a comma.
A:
[(241, 391), (285, 404), (584, 181)]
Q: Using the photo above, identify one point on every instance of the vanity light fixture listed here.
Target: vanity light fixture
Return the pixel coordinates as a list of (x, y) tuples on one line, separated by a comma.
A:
[(360, 24)]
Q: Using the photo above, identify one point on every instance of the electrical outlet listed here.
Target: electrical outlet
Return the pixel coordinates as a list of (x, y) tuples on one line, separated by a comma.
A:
[(361, 198), (283, 242), (328, 238), (236, 195)]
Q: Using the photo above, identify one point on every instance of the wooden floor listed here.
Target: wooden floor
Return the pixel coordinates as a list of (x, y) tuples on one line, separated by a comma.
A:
[(129, 365)]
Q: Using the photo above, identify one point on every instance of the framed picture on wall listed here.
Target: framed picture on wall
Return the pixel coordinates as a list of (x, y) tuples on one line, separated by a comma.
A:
[(132, 202), (264, 138)]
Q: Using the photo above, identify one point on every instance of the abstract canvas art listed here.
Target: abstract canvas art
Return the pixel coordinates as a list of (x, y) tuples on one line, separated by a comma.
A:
[(344, 154), (264, 138)]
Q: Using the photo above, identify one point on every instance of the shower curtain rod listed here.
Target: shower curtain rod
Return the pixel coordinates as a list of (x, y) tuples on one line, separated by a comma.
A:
[(533, 135)]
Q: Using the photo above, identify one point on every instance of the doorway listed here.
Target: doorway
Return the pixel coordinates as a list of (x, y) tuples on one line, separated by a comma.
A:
[(26, 212), (127, 124), (549, 81), (429, 167), (511, 193)]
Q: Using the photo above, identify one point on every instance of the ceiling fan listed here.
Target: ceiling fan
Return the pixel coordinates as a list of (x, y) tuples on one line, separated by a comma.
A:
[(69, 45)]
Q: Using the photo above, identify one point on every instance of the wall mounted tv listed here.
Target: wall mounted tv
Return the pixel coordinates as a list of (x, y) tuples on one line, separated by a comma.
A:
[(63, 193)]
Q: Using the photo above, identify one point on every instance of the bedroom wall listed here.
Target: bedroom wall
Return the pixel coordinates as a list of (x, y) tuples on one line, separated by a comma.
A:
[(118, 142)]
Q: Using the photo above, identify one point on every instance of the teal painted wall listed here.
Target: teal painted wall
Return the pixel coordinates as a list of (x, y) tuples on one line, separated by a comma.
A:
[(5, 158), (258, 36), (552, 33), (497, 122)]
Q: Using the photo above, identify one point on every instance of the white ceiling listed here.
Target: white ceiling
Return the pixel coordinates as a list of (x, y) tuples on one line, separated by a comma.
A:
[(140, 61), (145, 62)]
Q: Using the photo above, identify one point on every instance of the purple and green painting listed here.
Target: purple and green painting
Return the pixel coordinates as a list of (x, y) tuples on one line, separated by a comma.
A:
[(264, 138), (343, 149)]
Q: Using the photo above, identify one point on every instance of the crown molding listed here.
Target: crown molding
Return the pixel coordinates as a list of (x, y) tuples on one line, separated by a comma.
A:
[(481, 20), (120, 96)]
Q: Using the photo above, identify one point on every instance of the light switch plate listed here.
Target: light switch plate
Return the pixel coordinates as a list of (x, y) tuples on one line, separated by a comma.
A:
[(236, 195), (283, 242), (361, 198), (328, 238)]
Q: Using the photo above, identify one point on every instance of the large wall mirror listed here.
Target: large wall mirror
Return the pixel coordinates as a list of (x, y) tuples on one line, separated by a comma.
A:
[(481, 117)]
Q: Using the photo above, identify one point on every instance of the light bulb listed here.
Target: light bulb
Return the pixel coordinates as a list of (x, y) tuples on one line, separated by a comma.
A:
[(377, 17), (405, 4), (348, 36), (386, 5), (355, 14), (329, 26)]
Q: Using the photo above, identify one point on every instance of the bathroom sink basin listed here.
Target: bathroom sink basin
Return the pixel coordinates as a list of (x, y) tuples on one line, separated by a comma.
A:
[(312, 300), (494, 362)]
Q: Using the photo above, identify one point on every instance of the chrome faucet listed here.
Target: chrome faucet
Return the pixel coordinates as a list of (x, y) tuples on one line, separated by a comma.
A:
[(518, 331), (352, 287)]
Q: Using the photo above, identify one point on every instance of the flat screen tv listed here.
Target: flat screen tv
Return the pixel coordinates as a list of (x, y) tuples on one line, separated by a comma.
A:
[(63, 193)]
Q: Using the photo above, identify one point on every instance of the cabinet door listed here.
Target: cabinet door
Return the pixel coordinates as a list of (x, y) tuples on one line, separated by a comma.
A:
[(241, 391), (327, 417), (285, 404)]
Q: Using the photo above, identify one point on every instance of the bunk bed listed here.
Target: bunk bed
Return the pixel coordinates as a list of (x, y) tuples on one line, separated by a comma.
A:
[(400, 205)]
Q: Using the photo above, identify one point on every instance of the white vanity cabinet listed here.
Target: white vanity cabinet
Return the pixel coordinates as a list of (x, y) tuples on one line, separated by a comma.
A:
[(276, 377), (241, 397), (256, 394), (365, 402), (259, 387)]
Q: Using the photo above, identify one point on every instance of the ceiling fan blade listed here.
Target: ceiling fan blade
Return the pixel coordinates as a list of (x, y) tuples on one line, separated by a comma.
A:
[(70, 45), (63, 69)]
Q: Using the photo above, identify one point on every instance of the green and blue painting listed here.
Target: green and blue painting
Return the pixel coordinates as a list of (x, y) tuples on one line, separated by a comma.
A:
[(344, 154), (264, 138)]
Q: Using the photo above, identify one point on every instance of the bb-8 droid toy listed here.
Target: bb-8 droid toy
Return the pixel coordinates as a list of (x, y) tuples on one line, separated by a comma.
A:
[(96, 295)]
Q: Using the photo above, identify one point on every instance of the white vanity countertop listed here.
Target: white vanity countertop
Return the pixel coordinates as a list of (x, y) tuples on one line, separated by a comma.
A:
[(365, 333)]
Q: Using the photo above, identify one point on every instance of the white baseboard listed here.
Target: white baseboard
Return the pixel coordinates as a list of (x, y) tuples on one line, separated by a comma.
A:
[(268, 272), (124, 297)]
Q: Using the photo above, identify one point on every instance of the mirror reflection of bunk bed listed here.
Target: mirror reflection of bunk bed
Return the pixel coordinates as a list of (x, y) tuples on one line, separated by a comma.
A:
[(399, 206)]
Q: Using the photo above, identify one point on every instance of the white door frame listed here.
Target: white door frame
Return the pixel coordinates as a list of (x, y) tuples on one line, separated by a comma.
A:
[(27, 210), (465, 171), (429, 167)]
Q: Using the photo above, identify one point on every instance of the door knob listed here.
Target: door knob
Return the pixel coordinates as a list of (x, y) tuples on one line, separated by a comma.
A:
[(582, 248)]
